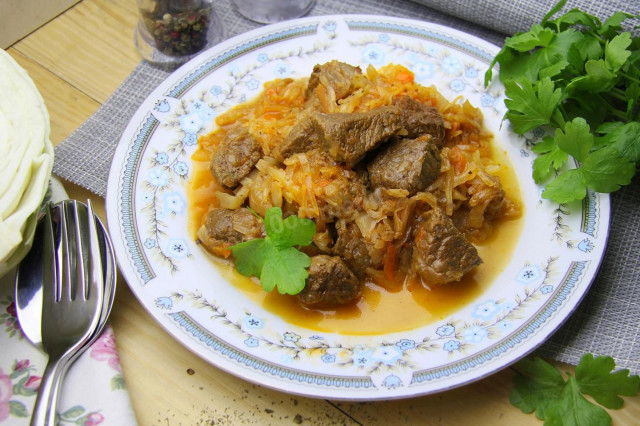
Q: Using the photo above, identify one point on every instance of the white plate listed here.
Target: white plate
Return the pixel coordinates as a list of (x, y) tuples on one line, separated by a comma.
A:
[(551, 268)]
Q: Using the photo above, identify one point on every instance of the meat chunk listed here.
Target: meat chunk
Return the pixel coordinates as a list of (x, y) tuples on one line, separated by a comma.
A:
[(302, 137), (330, 283), (347, 137), (441, 254), (420, 119), (334, 76), (411, 164), (352, 248), (236, 155), (224, 228)]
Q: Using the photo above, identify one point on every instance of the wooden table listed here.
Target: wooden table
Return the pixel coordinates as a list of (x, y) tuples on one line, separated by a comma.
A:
[(77, 60)]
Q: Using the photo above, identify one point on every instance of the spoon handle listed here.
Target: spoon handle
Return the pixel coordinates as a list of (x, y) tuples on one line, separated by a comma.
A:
[(44, 411), (64, 366)]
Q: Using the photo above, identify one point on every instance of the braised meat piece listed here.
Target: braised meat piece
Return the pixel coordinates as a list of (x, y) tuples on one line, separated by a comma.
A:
[(420, 119), (302, 137), (224, 228), (441, 254), (236, 155), (411, 164), (352, 248), (330, 283), (347, 137), (334, 76)]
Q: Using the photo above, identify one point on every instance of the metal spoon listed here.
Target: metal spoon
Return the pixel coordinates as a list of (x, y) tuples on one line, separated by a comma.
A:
[(28, 297), (29, 282)]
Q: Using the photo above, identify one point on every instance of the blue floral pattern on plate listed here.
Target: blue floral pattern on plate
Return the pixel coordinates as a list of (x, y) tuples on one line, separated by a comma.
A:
[(551, 268)]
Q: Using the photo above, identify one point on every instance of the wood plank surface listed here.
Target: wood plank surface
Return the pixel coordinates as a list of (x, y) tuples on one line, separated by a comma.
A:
[(77, 61)]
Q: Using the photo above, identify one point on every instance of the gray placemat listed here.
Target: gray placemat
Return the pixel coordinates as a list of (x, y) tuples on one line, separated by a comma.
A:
[(606, 322), (512, 16)]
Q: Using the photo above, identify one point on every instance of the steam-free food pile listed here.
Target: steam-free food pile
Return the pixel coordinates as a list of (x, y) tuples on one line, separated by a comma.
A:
[(400, 183)]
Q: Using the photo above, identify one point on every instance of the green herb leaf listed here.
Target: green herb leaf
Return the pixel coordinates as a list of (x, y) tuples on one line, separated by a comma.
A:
[(250, 256), (576, 16), (566, 187), (598, 78), (530, 105), (595, 378), (576, 139), (537, 387), (540, 387), (605, 171), (293, 231), (537, 37), (286, 269), (614, 24), (274, 259), (626, 139), (573, 409), (615, 51), (551, 159)]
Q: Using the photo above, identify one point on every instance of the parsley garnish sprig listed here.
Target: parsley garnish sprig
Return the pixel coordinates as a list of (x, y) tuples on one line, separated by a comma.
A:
[(275, 259), (579, 78), (540, 387)]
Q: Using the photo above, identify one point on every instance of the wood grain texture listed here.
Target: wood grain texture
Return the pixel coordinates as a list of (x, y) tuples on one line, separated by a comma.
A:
[(77, 60), (90, 46)]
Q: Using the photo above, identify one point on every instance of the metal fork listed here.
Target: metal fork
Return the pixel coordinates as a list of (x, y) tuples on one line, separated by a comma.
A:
[(72, 296)]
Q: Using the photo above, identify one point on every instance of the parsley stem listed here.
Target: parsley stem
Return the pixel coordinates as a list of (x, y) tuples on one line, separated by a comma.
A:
[(629, 77), (559, 116), (619, 114), (597, 36), (618, 94)]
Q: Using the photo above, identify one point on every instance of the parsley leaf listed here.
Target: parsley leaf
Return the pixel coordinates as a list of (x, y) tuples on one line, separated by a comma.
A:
[(595, 378), (566, 187), (285, 269), (537, 387), (550, 158), (576, 139), (616, 53), (540, 387), (574, 76), (537, 37), (605, 171), (530, 105), (626, 139), (274, 259), (292, 231)]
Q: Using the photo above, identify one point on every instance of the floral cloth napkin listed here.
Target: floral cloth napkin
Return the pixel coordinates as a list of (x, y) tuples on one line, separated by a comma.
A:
[(93, 392)]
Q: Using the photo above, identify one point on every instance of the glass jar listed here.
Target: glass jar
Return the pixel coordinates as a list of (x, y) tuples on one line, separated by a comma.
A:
[(272, 11), (170, 32)]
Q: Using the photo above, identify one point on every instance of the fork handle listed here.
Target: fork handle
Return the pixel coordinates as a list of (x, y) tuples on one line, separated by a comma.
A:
[(44, 411)]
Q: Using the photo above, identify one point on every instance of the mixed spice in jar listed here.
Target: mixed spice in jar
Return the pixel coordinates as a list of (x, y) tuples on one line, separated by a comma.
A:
[(178, 27)]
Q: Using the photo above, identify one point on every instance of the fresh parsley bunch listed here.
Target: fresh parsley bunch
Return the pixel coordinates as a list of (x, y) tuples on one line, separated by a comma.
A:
[(580, 78)]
